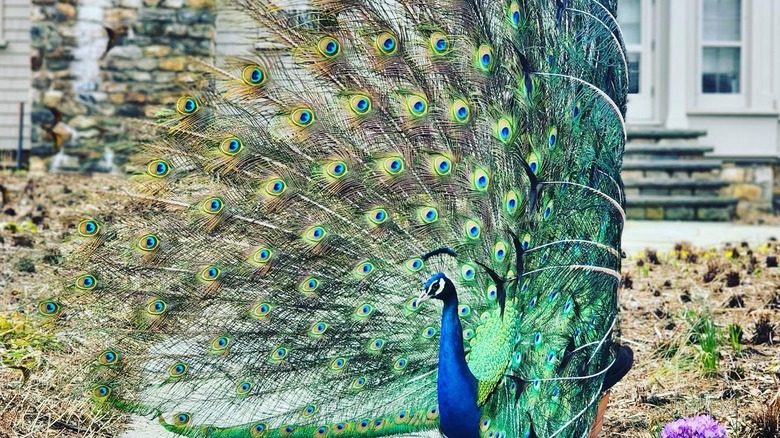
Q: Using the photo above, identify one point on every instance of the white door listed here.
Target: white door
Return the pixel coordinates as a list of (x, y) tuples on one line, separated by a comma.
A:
[(637, 21)]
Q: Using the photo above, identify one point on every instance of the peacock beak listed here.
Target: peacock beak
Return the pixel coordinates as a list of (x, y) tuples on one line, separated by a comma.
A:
[(424, 296)]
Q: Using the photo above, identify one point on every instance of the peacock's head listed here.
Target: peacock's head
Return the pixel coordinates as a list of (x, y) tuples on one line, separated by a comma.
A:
[(438, 286)]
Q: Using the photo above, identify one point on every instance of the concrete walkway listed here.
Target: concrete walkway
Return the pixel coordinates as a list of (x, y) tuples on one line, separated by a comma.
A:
[(637, 236)]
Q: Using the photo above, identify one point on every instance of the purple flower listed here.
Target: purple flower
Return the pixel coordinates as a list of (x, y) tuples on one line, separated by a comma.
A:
[(702, 426)]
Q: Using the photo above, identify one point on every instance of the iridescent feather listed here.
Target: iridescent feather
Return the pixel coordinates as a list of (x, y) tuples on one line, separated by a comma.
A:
[(266, 282)]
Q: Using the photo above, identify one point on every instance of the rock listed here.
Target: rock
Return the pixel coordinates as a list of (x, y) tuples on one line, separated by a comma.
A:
[(57, 64), (187, 16), (83, 122), (65, 12), (201, 4), (763, 175), (140, 76), (129, 110), (131, 4), (747, 192), (679, 213), (127, 52), (177, 63), (157, 51), (146, 64), (53, 98), (136, 97), (635, 213), (733, 174), (654, 213), (176, 30), (715, 214), (116, 98)]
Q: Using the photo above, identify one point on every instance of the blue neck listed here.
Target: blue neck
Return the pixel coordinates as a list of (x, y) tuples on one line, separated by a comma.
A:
[(457, 387)]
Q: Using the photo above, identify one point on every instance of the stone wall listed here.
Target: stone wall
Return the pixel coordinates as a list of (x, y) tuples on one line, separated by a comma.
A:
[(756, 184), (146, 68)]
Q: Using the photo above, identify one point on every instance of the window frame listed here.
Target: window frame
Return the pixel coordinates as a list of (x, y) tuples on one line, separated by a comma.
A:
[(3, 41), (719, 102)]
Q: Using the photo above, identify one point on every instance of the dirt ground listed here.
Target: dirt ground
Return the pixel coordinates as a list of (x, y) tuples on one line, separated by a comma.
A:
[(703, 325)]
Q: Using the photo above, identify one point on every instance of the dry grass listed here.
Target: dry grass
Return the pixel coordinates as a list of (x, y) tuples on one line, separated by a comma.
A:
[(672, 300), (670, 304)]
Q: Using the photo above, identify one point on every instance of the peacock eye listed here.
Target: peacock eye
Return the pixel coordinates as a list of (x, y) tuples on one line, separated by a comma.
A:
[(158, 168), (253, 75), (231, 146), (86, 282), (514, 14), (156, 307), (49, 308), (417, 105), (485, 58), (552, 136), (210, 273), (428, 215), (360, 104), (377, 216), (328, 47), (262, 255), (460, 111), (302, 117), (275, 187), (315, 234), (101, 392), (181, 419), (440, 44), (186, 105), (88, 228), (442, 165), (504, 130), (533, 163), (387, 43), (336, 169), (480, 180), (212, 205), (393, 165), (149, 242)]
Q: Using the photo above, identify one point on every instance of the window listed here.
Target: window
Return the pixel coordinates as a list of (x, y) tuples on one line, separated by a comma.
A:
[(721, 46), (630, 16)]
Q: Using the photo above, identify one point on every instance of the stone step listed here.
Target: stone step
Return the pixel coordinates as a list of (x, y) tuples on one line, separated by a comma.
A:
[(660, 151), (681, 207), (676, 183), (672, 165), (658, 134)]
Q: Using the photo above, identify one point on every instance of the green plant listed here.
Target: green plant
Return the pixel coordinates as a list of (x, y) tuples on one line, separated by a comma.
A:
[(706, 333), (735, 336), (709, 346), (22, 343)]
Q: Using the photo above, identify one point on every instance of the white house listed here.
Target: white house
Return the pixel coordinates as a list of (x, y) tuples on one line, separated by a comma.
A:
[(712, 65), (15, 73)]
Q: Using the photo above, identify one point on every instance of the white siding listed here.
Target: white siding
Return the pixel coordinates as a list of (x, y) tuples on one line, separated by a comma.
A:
[(236, 34), (15, 74)]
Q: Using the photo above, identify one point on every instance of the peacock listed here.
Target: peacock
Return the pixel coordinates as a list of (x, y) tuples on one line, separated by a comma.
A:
[(405, 219)]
